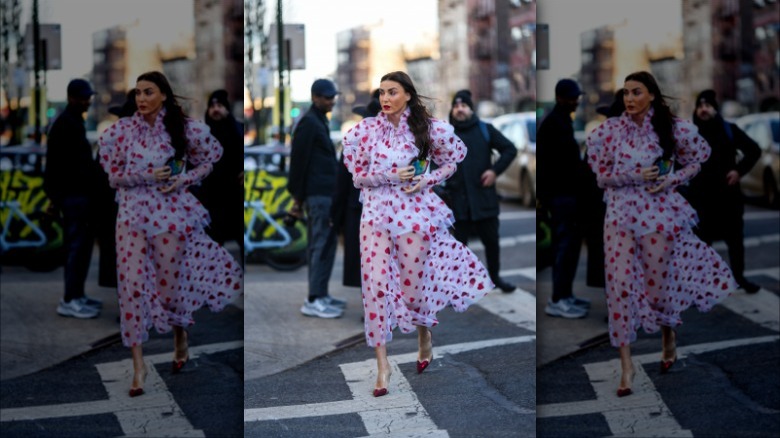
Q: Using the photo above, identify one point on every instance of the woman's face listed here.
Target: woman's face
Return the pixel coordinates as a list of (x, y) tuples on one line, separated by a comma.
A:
[(148, 98), (637, 99), (393, 97)]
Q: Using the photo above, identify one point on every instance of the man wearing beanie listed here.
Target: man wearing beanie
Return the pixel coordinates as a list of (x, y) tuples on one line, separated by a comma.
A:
[(472, 189), (223, 188), (562, 181), (312, 184), (715, 192)]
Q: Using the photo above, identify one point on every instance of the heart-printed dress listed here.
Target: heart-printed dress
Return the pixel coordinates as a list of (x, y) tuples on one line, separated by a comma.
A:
[(412, 267), (655, 265), (167, 266)]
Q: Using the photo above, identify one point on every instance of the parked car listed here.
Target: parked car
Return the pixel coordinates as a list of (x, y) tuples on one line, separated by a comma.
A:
[(519, 180), (764, 178)]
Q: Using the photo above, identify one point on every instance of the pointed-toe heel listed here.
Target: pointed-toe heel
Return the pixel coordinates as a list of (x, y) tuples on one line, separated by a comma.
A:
[(177, 364), (622, 392), (135, 392), (421, 366), (666, 365), (380, 392)]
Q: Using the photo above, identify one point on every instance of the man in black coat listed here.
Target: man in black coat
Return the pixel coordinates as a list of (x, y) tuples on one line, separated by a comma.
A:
[(222, 191), (312, 184), (472, 189), (715, 192), (562, 181), (70, 181)]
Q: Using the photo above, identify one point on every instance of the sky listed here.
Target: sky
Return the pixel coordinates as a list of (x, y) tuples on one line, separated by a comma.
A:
[(650, 21), (324, 19), (166, 20)]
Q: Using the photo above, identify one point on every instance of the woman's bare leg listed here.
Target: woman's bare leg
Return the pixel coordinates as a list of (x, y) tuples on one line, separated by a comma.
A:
[(383, 371), (180, 344), (139, 368), (627, 368), (425, 344)]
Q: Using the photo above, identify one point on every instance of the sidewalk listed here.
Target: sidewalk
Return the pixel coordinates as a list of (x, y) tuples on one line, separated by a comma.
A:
[(34, 337), (558, 337)]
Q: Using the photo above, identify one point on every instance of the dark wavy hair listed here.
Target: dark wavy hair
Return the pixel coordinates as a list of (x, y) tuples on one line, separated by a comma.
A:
[(420, 118), (663, 119), (175, 119)]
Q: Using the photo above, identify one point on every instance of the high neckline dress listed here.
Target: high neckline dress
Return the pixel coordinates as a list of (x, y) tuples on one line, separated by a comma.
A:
[(655, 265), (411, 266), (167, 265)]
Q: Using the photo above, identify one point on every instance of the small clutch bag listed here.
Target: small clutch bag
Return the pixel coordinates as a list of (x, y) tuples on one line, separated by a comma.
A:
[(177, 166), (664, 166), (420, 166)]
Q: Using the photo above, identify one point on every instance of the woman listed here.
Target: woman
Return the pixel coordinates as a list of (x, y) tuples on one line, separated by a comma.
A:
[(655, 266), (167, 265), (411, 266)]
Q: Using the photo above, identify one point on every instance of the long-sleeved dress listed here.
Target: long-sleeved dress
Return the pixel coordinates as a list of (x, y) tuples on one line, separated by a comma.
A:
[(655, 266), (411, 266), (167, 266)]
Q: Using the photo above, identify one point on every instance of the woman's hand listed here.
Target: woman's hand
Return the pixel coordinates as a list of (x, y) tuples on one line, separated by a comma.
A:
[(400, 174), (650, 173), (419, 183), (662, 184), (161, 173), (175, 184)]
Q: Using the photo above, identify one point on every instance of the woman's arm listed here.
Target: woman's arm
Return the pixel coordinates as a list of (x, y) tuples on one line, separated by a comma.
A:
[(601, 151), (447, 150), (113, 145), (357, 159)]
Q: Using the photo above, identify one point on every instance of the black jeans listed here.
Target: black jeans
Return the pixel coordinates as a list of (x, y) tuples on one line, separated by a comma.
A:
[(567, 242), (79, 239), (488, 233)]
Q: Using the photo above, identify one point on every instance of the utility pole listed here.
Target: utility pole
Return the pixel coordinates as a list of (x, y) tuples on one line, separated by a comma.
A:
[(280, 51), (37, 68)]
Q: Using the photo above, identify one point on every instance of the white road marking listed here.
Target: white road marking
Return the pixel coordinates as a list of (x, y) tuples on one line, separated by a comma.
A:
[(756, 215), (763, 307), (643, 413), (399, 413), (504, 242), (514, 215), (155, 413), (750, 242), (769, 272), (525, 272), (518, 307)]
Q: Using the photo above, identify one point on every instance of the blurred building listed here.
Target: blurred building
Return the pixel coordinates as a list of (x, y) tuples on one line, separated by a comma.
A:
[(731, 46), (180, 72), (522, 54), (219, 51), (454, 59)]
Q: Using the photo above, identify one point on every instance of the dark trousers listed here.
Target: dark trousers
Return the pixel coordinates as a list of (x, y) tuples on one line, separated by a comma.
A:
[(322, 243), (730, 230), (105, 232), (566, 242), (488, 234), (79, 239)]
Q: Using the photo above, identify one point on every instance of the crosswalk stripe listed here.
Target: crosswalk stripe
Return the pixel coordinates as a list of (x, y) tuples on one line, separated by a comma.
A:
[(505, 242), (519, 307), (155, 413), (392, 409), (644, 413), (525, 272), (750, 242), (763, 307)]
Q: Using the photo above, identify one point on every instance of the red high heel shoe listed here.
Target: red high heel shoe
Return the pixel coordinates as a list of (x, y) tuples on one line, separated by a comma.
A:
[(422, 365), (666, 365), (622, 392), (178, 364), (379, 392), (135, 392)]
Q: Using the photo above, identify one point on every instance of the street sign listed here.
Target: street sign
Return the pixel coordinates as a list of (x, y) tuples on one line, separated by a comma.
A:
[(295, 36), (51, 47)]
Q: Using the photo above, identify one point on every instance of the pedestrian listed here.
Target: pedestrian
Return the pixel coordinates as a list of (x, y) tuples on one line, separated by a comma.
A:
[(312, 184), (223, 189), (347, 208), (715, 192), (558, 154), (412, 266), (70, 181), (167, 265), (656, 267), (472, 189)]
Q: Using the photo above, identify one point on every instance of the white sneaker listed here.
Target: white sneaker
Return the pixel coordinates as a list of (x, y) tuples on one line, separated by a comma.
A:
[(77, 309), (91, 302), (565, 308), (321, 309), (335, 302)]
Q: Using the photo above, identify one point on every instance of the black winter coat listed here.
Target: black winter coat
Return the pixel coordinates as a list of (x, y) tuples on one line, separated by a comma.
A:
[(313, 163), (468, 199)]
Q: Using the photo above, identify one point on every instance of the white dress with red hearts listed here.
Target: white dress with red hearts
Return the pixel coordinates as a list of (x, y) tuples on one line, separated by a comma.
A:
[(411, 266), (167, 265), (656, 267)]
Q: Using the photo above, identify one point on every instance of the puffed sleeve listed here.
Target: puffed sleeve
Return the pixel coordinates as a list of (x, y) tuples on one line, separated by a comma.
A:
[(690, 151), (357, 148), (447, 150), (203, 150), (601, 157), (113, 146)]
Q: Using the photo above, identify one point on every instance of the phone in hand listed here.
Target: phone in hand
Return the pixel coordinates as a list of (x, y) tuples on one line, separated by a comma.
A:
[(420, 166), (664, 166), (177, 166)]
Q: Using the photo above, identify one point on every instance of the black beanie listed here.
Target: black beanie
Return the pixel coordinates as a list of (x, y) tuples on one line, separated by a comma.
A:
[(463, 96), (709, 97), (221, 96)]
